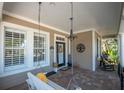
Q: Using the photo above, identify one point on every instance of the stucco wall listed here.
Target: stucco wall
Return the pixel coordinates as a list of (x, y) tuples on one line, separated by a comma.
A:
[(13, 80), (83, 60)]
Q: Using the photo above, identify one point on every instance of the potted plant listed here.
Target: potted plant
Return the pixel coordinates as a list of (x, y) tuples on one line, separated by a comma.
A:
[(55, 65)]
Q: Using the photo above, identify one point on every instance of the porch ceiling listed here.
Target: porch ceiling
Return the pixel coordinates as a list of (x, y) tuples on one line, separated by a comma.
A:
[(1, 7), (102, 16)]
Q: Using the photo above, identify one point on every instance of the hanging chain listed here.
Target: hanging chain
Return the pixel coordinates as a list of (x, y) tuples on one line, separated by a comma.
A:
[(39, 19), (71, 20), (71, 43)]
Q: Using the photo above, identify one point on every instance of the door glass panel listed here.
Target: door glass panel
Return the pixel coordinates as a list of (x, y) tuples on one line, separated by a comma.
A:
[(60, 53)]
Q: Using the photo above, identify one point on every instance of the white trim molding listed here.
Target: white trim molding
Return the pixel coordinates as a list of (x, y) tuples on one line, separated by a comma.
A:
[(66, 47), (45, 25), (32, 21), (121, 49), (87, 30)]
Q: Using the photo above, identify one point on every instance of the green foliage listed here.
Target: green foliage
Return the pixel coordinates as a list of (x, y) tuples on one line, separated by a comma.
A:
[(111, 48)]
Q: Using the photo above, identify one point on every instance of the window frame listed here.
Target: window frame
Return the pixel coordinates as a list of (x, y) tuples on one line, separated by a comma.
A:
[(28, 51), (48, 47), (19, 66), (42, 62)]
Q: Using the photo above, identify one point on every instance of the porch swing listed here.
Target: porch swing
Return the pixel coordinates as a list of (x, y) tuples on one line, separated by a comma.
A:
[(35, 83)]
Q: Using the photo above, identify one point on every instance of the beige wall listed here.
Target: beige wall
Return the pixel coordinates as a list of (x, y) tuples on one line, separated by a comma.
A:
[(83, 60), (13, 80), (14, 20)]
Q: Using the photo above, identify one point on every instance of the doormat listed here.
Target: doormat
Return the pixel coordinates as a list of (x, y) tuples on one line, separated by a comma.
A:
[(50, 73), (65, 68)]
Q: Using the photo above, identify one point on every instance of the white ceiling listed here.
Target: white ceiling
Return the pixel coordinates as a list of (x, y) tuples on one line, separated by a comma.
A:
[(1, 8), (102, 16)]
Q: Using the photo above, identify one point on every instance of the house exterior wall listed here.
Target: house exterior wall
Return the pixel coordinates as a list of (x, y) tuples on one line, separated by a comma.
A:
[(14, 20), (87, 59), (83, 60), (20, 77)]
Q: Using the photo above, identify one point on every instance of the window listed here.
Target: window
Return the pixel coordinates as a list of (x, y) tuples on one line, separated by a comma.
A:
[(14, 47), (39, 49), (22, 49)]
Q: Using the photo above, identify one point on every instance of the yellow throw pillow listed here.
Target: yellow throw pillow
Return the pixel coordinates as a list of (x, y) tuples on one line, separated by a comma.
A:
[(42, 77)]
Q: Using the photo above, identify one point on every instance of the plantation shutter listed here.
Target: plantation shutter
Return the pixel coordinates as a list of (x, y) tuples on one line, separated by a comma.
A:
[(14, 47)]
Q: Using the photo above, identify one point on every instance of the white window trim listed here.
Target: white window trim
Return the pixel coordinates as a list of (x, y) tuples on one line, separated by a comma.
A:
[(28, 65), (48, 46), (93, 51), (6, 69), (66, 51), (46, 43)]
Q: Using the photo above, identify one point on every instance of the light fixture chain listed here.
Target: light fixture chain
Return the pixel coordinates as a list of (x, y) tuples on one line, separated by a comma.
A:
[(39, 19)]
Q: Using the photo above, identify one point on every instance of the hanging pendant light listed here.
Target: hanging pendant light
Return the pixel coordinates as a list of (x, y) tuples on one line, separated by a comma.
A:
[(71, 36)]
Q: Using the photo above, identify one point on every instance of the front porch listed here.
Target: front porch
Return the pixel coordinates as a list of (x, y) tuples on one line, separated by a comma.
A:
[(86, 79), (27, 46)]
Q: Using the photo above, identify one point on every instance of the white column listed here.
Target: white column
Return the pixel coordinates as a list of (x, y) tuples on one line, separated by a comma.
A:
[(121, 49), (29, 48), (93, 51), (121, 43), (1, 43), (1, 48)]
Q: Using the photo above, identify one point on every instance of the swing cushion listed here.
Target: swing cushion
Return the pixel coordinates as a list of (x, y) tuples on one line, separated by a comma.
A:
[(42, 77)]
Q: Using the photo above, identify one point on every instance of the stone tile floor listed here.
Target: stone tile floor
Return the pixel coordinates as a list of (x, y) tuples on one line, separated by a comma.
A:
[(86, 79)]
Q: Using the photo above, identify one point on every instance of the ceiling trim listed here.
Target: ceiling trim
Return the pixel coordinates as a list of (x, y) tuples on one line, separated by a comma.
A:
[(48, 26), (110, 36), (121, 18), (85, 30), (121, 33), (32, 21)]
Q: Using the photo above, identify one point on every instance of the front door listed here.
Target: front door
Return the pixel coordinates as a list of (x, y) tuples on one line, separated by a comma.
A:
[(60, 46)]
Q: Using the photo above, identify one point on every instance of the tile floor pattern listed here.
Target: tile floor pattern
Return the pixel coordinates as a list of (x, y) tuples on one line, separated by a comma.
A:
[(86, 79)]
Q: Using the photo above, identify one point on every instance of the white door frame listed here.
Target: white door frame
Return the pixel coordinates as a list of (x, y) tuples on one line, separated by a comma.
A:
[(66, 49)]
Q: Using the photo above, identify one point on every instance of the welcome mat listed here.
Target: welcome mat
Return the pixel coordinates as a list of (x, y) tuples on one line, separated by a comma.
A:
[(65, 68)]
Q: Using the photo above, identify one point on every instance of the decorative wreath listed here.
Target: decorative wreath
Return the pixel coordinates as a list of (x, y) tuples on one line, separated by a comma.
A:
[(80, 48)]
